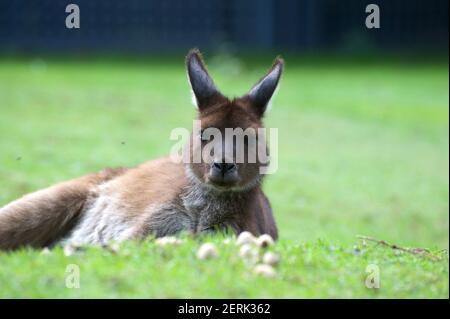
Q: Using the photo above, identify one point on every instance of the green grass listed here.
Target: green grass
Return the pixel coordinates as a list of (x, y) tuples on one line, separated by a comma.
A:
[(363, 149), (314, 270)]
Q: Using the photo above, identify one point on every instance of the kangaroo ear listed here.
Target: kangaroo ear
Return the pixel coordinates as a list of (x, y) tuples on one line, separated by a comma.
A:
[(262, 92), (202, 85)]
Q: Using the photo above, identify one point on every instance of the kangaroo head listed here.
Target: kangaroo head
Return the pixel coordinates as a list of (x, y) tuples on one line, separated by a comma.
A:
[(229, 140)]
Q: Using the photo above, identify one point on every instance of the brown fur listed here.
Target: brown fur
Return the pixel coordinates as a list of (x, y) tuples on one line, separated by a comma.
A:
[(153, 182), (159, 197), (41, 218)]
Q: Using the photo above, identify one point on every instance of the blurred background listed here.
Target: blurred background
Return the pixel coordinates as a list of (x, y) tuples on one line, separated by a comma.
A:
[(143, 26), (362, 113)]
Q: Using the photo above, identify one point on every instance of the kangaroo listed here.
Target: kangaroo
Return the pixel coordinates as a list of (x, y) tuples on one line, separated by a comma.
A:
[(159, 197)]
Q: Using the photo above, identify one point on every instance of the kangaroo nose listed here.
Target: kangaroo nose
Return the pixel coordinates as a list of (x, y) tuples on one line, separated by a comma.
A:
[(224, 167)]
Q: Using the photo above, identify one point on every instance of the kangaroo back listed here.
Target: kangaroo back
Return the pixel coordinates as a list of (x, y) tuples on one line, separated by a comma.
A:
[(41, 218)]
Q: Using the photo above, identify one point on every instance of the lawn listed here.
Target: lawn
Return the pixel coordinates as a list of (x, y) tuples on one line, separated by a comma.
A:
[(363, 150)]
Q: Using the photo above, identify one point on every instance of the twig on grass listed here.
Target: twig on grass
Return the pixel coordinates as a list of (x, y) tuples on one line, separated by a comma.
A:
[(423, 252)]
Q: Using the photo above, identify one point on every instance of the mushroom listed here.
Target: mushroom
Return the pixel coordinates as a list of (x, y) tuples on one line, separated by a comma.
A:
[(271, 259), (264, 241), (207, 251), (245, 238), (265, 271)]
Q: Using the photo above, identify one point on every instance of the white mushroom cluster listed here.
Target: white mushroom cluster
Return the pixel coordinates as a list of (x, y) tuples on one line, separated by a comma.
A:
[(250, 250), (253, 250)]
